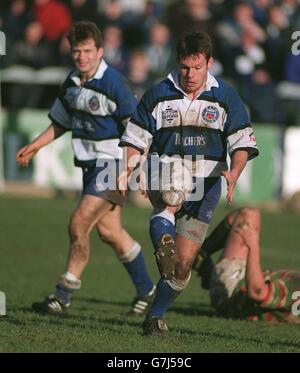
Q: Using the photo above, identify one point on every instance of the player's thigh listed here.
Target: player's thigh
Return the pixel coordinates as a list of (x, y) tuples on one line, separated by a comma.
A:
[(90, 209), (189, 238)]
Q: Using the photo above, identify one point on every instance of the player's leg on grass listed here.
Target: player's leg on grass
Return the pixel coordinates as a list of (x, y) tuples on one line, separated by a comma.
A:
[(215, 242), (169, 289), (192, 222), (163, 236), (235, 246), (217, 239), (83, 219), (90, 210), (231, 266), (129, 252)]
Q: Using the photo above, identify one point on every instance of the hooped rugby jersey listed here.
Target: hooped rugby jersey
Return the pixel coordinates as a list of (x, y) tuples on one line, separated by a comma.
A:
[(213, 123), (281, 301), (96, 113)]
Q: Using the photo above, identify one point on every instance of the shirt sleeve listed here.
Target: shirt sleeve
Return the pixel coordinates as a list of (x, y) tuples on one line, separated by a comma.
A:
[(238, 129), (141, 127), (276, 296), (59, 115), (126, 102), (59, 112)]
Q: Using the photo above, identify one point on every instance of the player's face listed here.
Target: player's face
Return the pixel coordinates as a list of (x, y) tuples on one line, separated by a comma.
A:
[(87, 57), (193, 73)]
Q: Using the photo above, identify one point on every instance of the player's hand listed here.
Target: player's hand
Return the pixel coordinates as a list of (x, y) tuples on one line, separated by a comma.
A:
[(231, 180), (122, 183), (25, 154), (248, 234)]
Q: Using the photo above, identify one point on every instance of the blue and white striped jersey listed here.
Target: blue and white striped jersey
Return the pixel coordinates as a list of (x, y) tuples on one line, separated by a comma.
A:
[(96, 113), (213, 123)]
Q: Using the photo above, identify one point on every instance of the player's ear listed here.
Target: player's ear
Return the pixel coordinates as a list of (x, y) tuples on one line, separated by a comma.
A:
[(100, 52), (210, 62)]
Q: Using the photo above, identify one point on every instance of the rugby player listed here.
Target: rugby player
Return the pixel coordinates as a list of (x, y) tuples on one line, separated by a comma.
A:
[(238, 287), (190, 113), (95, 104)]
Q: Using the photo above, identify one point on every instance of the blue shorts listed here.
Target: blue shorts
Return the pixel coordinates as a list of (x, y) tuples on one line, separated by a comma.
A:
[(101, 182), (203, 209)]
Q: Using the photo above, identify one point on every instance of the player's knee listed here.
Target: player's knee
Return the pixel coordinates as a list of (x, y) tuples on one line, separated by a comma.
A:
[(183, 269), (251, 214), (77, 228), (179, 284)]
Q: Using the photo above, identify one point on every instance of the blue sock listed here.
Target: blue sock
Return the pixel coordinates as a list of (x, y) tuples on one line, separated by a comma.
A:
[(137, 271), (165, 296), (160, 224), (63, 293), (66, 286)]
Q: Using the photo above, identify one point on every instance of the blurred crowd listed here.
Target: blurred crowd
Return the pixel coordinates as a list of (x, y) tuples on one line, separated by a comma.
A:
[(252, 45)]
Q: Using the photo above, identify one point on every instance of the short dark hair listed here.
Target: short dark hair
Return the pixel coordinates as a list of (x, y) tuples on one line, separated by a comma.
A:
[(192, 43), (84, 30)]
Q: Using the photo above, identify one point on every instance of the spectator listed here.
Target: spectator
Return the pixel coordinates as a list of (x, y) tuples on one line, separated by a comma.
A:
[(139, 73), (259, 92), (159, 49), (190, 15), (54, 16), (32, 52), (114, 51), (276, 43), (14, 20), (111, 13), (83, 9), (260, 11)]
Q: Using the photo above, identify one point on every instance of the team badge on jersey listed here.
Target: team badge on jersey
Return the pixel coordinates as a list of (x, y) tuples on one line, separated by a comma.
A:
[(169, 114), (94, 103), (210, 114)]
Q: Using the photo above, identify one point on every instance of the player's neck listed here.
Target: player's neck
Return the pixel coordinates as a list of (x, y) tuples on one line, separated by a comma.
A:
[(85, 76), (193, 95)]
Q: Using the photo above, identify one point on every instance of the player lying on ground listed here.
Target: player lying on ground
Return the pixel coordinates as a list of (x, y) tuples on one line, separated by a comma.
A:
[(237, 285)]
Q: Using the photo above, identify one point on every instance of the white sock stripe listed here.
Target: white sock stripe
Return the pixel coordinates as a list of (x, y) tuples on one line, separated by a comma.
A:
[(131, 254), (165, 214), (70, 277), (67, 281)]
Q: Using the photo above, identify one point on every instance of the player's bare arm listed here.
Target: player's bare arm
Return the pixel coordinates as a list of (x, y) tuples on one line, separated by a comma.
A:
[(238, 163), (25, 154)]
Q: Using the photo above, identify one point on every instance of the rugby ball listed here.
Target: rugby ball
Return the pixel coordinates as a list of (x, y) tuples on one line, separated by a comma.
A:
[(176, 183)]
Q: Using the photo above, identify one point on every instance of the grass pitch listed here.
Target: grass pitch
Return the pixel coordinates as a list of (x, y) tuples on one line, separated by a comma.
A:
[(33, 251)]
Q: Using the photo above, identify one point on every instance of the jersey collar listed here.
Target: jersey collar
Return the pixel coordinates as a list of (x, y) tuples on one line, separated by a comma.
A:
[(210, 82), (75, 76)]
